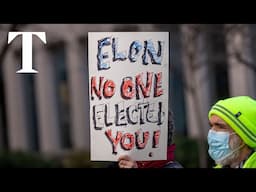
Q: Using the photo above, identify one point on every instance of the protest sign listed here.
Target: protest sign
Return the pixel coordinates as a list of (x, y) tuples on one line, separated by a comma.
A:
[(128, 75)]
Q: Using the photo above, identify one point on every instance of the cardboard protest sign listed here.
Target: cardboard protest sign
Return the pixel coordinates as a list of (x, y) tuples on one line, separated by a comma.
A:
[(128, 75)]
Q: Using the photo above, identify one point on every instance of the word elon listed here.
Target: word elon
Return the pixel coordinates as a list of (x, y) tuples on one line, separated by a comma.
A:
[(134, 51)]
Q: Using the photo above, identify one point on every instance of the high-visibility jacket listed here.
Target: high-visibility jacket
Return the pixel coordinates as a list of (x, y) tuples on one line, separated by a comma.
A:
[(249, 163)]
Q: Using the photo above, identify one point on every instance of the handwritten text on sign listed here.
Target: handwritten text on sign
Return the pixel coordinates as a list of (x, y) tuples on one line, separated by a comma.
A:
[(128, 74)]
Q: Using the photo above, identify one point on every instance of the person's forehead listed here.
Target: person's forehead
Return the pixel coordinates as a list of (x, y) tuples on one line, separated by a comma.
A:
[(215, 119)]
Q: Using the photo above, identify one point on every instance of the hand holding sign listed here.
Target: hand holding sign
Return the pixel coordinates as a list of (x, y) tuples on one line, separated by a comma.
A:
[(125, 161)]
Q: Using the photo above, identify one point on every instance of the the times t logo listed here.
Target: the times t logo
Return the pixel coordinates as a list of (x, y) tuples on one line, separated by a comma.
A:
[(26, 48)]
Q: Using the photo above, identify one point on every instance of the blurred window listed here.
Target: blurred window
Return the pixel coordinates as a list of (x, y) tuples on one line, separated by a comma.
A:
[(218, 61), (58, 57)]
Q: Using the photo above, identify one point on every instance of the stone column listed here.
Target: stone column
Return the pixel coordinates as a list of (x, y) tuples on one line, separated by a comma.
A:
[(241, 67), (79, 95), (17, 121), (49, 130), (197, 84)]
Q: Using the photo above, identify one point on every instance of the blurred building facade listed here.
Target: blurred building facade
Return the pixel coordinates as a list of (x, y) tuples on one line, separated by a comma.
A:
[(49, 111)]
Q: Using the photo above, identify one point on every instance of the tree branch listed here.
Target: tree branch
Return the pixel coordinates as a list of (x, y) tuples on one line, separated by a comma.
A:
[(243, 61)]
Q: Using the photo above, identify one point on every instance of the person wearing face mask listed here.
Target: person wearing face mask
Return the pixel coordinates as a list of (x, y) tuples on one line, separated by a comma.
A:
[(232, 136)]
